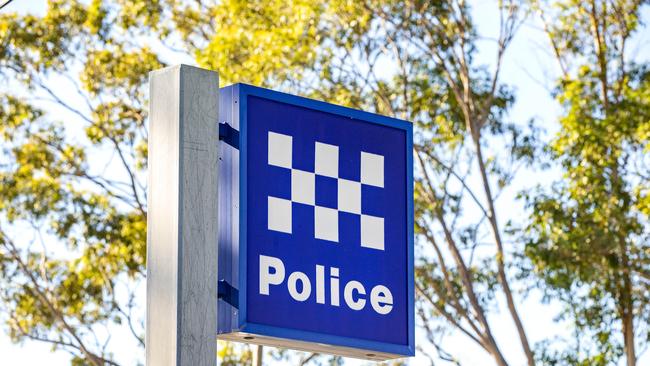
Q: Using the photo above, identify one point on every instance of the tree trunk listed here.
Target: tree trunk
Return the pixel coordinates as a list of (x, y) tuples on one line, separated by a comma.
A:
[(628, 334), (501, 272), (258, 353), (627, 316)]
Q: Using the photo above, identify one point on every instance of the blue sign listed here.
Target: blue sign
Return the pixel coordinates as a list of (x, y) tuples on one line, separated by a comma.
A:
[(325, 250)]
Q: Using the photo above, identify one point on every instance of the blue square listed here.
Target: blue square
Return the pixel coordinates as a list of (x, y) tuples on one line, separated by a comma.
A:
[(279, 181), (349, 229), (303, 155), (350, 163), (303, 224), (326, 191), (373, 200)]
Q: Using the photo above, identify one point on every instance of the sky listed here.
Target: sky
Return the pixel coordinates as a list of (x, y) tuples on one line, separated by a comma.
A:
[(530, 69)]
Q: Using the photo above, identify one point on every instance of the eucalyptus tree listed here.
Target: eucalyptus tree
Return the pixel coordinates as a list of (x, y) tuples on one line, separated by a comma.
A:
[(589, 234), (73, 202)]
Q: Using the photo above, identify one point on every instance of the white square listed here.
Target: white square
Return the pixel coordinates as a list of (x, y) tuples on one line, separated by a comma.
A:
[(349, 196), (372, 232), (327, 160), (279, 218), (372, 169), (280, 150), (326, 223), (303, 187)]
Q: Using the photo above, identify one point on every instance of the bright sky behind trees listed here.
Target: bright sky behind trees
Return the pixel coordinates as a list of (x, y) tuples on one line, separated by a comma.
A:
[(531, 69)]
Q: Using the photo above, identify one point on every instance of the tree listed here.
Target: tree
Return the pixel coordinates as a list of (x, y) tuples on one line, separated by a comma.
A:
[(72, 244), (72, 239), (589, 234)]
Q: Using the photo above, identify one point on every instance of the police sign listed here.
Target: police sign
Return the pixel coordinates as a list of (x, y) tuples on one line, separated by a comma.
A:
[(316, 226)]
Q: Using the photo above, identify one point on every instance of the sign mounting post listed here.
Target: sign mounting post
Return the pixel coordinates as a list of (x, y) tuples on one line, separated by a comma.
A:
[(182, 217)]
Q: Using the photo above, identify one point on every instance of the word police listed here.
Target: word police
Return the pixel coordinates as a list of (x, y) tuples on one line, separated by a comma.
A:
[(272, 273)]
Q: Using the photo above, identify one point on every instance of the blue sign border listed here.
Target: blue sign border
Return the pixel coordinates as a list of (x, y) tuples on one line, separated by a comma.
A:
[(245, 90)]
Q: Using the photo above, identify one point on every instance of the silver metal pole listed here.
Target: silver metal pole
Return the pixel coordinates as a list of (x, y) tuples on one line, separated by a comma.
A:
[(182, 218)]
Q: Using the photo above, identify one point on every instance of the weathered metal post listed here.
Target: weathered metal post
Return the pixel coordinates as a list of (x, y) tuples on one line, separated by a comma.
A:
[(182, 217)]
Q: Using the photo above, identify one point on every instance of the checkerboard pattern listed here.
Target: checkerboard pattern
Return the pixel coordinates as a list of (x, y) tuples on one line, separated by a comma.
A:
[(303, 191)]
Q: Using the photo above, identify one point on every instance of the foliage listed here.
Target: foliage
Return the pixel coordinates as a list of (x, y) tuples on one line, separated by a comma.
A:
[(231, 354), (73, 239), (72, 244), (588, 236)]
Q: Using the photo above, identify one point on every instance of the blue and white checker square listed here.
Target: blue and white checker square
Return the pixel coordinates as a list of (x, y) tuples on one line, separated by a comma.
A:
[(305, 190)]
